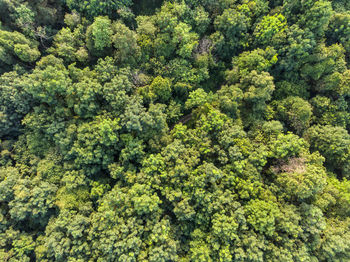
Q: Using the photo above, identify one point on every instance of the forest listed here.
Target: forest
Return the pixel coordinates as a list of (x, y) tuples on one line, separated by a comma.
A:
[(175, 130)]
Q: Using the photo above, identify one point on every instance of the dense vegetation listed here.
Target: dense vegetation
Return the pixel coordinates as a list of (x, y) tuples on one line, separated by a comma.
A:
[(212, 130)]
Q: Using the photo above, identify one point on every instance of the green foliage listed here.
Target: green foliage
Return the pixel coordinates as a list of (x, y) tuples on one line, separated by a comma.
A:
[(293, 45), (159, 90), (27, 201), (286, 146), (231, 35), (93, 8), (299, 179), (15, 104), (99, 34), (49, 81), (295, 112), (261, 216), (125, 42), (196, 131), (15, 46), (335, 243), (284, 89), (69, 45), (333, 143), (268, 27), (249, 74), (330, 112), (339, 30), (95, 143), (316, 16)]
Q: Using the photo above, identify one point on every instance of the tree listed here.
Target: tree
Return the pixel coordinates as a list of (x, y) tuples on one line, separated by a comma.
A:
[(65, 238), (300, 179), (316, 17), (159, 90), (96, 144), (296, 113), (261, 216), (15, 104), (268, 27), (293, 46), (93, 8), (69, 45), (333, 143), (83, 94), (49, 81), (28, 202), (339, 30), (232, 27), (125, 42), (14, 47), (99, 35), (334, 244), (312, 15), (329, 112), (249, 74)]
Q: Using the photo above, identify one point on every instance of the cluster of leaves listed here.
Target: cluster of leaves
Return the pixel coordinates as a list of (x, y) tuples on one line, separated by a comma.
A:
[(198, 131)]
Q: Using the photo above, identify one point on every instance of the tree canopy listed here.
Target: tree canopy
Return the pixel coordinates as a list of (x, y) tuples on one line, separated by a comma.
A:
[(179, 130)]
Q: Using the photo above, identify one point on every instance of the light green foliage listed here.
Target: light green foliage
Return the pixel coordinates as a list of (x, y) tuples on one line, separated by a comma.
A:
[(259, 60), (171, 48), (22, 245), (313, 223), (197, 98), (82, 95), (116, 91), (14, 45), (293, 45), (25, 19), (261, 215), (69, 45), (284, 89), (229, 98), (268, 27), (159, 90), (337, 85), (49, 82), (27, 201), (257, 90), (72, 20), (64, 238), (122, 214), (340, 5), (335, 197), (99, 34), (317, 17), (249, 74), (95, 143), (201, 20), (329, 112), (300, 179), (335, 243), (285, 146), (325, 61), (74, 192)]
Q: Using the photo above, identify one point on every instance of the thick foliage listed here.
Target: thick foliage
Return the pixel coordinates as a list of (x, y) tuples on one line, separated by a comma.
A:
[(196, 131)]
